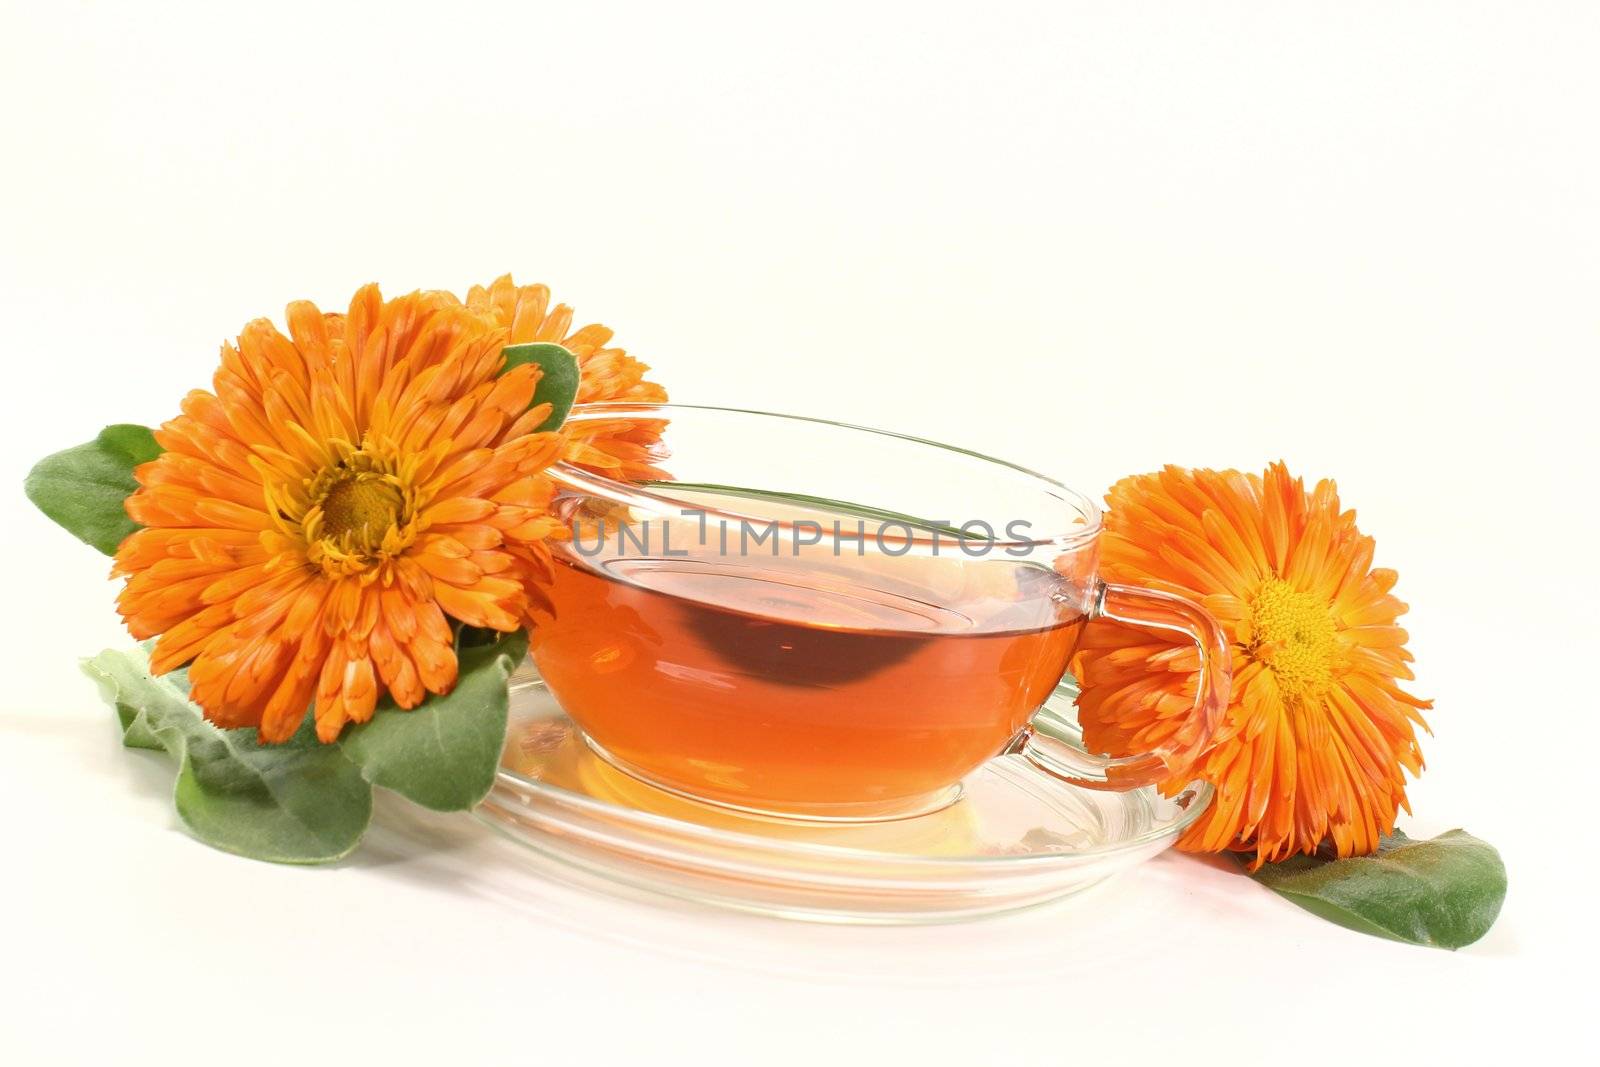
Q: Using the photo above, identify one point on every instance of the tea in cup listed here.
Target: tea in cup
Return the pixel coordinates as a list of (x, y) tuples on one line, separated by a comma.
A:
[(809, 620)]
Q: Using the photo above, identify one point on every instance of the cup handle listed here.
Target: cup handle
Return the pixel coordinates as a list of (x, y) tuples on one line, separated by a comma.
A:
[(1157, 611)]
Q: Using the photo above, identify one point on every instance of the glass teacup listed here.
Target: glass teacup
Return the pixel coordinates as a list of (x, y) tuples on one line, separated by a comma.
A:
[(805, 619)]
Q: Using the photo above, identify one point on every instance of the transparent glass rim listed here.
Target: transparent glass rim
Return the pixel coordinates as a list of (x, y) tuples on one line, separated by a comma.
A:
[(654, 499)]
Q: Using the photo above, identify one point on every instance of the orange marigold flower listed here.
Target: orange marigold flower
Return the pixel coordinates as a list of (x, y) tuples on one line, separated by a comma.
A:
[(1316, 734), (617, 448), (316, 522)]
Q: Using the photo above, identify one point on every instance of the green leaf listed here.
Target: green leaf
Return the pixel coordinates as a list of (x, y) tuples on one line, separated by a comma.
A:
[(558, 386), (444, 753), (1445, 892), (82, 488), (299, 802)]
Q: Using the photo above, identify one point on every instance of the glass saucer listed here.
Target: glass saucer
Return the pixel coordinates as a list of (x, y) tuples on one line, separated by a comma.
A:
[(1015, 837)]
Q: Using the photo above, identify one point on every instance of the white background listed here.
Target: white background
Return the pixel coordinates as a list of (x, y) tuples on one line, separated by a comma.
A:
[(1089, 238)]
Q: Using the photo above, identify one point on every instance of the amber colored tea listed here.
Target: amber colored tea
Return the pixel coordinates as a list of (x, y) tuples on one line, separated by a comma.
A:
[(801, 681)]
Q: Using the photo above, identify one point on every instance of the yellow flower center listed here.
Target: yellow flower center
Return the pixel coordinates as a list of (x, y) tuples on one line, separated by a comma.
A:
[(362, 505), (360, 512), (1293, 634)]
